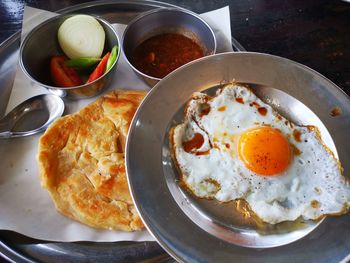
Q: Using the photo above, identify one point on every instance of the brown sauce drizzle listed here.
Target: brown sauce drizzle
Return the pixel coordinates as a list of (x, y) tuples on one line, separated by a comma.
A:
[(296, 151), (195, 143), (310, 128), (203, 153), (297, 135), (288, 123), (254, 104), (336, 111), (205, 109), (227, 145), (262, 111), (240, 100)]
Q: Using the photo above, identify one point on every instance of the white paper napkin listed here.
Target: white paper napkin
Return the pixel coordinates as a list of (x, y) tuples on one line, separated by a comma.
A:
[(27, 208)]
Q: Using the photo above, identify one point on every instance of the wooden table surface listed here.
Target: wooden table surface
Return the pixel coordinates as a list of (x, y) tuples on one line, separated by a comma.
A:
[(313, 32)]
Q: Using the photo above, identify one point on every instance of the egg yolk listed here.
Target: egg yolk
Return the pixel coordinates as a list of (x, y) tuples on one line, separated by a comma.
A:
[(265, 151)]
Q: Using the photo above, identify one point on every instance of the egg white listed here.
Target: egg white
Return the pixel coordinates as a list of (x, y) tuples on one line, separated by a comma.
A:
[(312, 185)]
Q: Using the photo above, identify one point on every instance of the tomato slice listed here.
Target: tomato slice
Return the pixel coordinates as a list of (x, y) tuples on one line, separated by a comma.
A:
[(63, 76), (100, 69)]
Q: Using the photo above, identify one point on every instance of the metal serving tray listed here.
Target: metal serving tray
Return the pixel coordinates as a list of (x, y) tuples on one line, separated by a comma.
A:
[(18, 248)]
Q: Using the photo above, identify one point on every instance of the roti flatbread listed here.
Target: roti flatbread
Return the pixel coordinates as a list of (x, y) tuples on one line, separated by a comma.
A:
[(81, 162)]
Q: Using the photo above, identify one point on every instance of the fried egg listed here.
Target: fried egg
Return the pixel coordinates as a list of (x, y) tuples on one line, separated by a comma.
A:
[(233, 146)]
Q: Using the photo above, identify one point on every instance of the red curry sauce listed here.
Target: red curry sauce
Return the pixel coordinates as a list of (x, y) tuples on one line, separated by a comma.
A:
[(161, 54)]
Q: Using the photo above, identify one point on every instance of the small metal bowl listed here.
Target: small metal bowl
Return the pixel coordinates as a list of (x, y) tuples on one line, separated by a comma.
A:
[(166, 20), (41, 44)]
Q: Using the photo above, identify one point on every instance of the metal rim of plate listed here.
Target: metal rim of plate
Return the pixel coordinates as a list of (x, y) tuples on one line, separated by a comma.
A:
[(166, 215), (19, 248)]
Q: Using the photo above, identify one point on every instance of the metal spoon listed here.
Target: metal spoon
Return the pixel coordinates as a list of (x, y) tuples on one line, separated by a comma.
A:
[(31, 116)]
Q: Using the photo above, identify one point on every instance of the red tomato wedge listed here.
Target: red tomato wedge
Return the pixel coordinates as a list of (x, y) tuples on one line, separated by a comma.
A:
[(100, 69), (63, 76)]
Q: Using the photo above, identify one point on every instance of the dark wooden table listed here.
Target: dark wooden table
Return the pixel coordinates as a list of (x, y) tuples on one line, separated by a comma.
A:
[(313, 32)]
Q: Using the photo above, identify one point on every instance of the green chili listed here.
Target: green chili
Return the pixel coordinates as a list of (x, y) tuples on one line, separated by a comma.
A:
[(112, 58), (82, 63)]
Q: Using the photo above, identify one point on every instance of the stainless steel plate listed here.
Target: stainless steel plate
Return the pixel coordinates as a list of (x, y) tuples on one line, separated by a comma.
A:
[(190, 229), (224, 220)]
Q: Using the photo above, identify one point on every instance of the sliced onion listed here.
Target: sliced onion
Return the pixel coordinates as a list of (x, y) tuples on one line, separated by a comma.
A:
[(81, 36)]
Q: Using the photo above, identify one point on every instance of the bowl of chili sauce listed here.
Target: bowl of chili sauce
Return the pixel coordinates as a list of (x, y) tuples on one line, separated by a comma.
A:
[(159, 41)]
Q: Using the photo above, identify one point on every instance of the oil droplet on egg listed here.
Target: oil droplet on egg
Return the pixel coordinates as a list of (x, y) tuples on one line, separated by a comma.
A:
[(315, 204), (297, 135), (222, 108), (336, 111)]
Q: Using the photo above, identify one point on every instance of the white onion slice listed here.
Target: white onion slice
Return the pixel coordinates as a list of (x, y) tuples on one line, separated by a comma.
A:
[(81, 36)]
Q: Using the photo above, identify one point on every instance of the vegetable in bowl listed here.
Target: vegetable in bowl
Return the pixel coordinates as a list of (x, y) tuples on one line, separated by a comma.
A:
[(81, 36), (82, 39), (41, 45)]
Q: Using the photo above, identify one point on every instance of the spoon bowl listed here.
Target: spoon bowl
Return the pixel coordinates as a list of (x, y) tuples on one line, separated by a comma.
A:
[(31, 116)]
